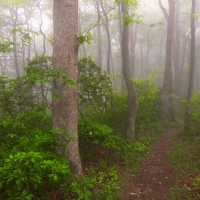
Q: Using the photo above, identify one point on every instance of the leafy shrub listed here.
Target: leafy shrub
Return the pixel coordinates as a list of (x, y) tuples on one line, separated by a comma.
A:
[(82, 188), (93, 131), (195, 113), (148, 98), (28, 162), (31, 172), (94, 85)]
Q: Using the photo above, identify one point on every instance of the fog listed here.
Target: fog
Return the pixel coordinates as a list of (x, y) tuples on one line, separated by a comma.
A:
[(150, 33)]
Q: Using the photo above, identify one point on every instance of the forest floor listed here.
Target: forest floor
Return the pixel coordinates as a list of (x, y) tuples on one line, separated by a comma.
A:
[(156, 175)]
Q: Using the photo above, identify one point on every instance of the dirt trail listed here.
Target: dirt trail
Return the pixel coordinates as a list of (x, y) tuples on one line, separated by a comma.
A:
[(156, 175)]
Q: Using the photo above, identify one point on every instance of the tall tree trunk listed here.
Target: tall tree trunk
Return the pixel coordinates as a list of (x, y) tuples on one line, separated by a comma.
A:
[(176, 54), (40, 27), (192, 66), (133, 40), (99, 43), (142, 61), (147, 53), (177, 51), (167, 85), (120, 43), (108, 37), (14, 16), (132, 98), (65, 55)]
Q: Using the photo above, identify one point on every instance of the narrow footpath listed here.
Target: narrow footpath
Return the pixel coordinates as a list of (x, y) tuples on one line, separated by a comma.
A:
[(156, 176)]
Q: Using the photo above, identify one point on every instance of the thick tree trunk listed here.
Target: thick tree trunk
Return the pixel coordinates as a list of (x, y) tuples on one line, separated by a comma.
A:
[(192, 66), (65, 55), (132, 98), (167, 85)]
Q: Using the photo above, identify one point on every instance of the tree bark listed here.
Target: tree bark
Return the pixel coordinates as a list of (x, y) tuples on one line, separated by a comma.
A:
[(192, 67), (133, 40), (40, 27), (14, 16), (108, 37), (167, 83), (132, 98), (177, 51), (99, 43), (120, 43), (65, 55)]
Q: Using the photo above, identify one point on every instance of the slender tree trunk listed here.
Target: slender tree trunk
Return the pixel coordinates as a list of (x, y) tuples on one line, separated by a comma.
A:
[(132, 98), (108, 37), (177, 60), (192, 67), (142, 61), (176, 54), (40, 26), (167, 85), (15, 18), (65, 55), (99, 43), (120, 43), (133, 40)]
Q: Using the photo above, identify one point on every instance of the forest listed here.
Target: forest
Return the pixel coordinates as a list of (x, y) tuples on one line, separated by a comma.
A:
[(99, 99)]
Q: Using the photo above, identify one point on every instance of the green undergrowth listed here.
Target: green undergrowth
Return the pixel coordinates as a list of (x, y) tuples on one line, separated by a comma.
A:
[(185, 156), (186, 162), (103, 148), (30, 167)]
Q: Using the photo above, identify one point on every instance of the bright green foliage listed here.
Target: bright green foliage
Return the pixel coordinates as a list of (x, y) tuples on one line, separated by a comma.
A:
[(133, 3), (97, 184), (28, 162), (25, 34), (5, 47), (85, 38), (197, 183), (149, 98), (93, 131), (106, 184), (31, 171), (94, 85), (27, 159), (82, 188)]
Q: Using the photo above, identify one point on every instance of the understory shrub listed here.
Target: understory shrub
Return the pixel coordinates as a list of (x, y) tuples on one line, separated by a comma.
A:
[(195, 113), (149, 98), (185, 160), (97, 184), (28, 161), (119, 148)]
